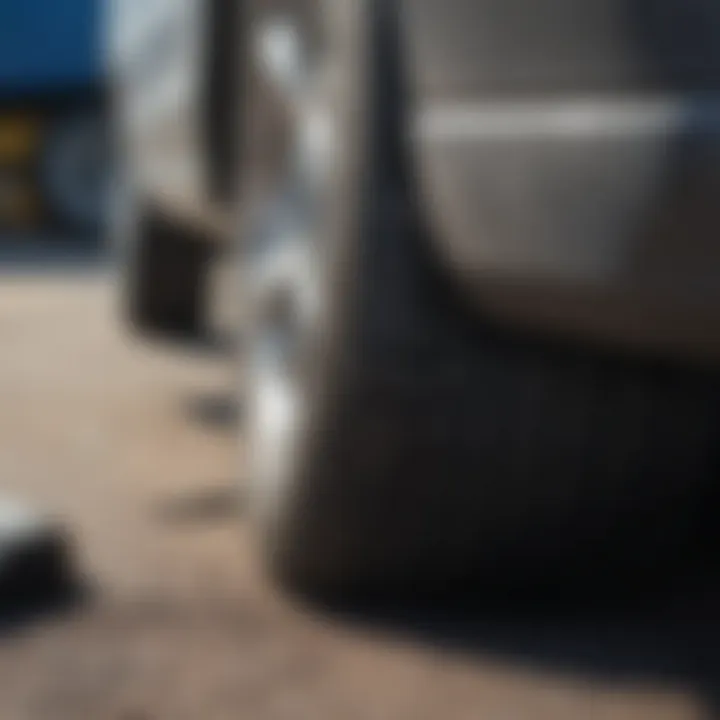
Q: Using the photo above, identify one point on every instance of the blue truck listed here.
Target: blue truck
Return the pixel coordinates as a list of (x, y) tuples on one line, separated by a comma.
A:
[(53, 151)]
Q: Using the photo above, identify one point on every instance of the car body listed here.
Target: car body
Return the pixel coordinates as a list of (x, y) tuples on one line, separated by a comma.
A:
[(508, 223), (568, 157)]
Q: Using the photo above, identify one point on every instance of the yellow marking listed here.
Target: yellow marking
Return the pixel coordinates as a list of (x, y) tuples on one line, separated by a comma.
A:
[(19, 137)]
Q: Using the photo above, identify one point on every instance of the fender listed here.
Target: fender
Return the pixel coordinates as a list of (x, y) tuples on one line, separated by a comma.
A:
[(568, 156)]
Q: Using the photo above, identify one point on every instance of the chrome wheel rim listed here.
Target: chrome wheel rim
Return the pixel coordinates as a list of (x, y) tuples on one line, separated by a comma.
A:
[(284, 263)]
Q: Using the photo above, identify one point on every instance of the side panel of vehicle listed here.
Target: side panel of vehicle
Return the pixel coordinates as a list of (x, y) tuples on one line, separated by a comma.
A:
[(568, 160)]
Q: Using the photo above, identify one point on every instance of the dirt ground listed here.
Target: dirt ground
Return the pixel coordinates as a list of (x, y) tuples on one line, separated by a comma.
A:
[(134, 449)]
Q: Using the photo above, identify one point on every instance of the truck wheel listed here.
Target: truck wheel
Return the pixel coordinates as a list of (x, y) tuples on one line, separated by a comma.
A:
[(163, 272), (75, 171), (397, 441)]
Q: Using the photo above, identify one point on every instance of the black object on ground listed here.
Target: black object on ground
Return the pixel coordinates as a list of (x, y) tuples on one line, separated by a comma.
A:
[(37, 575)]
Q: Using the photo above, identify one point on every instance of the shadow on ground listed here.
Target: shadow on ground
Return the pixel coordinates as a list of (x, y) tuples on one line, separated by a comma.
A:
[(221, 503), (33, 253), (215, 411), (213, 345), (666, 635)]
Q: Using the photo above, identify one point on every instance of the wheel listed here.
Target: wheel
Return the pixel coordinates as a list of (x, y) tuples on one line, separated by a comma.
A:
[(163, 271), (302, 281), (75, 170), (397, 441)]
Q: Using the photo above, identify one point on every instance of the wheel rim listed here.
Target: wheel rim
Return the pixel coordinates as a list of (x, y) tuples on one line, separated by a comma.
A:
[(284, 263)]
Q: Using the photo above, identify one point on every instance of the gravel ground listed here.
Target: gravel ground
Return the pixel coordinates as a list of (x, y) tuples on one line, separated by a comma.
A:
[(134, 450)]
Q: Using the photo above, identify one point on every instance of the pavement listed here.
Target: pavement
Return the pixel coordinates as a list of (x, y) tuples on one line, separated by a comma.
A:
[(135, 451)]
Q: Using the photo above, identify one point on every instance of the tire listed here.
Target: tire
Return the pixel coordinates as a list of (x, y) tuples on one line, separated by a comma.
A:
[(164, 274), (75, 170), (432, 449)]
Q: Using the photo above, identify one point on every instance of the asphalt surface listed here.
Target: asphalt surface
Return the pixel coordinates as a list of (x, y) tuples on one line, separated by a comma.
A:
[(134, 450)]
